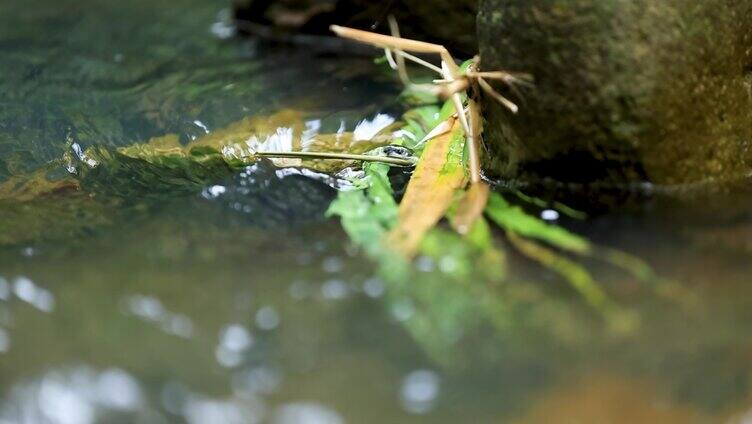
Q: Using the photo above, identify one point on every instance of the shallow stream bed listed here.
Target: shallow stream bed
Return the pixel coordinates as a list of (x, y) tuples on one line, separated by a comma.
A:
[(242, 303)]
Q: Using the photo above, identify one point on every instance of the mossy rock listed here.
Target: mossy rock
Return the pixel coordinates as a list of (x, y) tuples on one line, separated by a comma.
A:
[(625, 91)]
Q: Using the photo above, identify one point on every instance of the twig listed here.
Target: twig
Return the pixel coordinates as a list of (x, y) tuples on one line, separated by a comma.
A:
[(338, 156)]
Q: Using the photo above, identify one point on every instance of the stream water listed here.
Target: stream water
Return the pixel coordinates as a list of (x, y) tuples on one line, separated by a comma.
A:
[(243, 303)]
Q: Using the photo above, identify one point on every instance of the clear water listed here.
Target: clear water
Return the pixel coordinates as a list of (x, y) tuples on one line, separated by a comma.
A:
[(252, 307)]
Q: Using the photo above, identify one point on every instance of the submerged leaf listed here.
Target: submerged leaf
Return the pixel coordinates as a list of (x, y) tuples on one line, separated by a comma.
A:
[(514, 219), (22, 188), (620, 320), (574, 273)]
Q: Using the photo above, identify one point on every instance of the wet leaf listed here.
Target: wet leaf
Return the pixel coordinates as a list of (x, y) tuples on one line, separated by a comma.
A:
[(470, 207), (430, 192), (514, 219), (25, 187)]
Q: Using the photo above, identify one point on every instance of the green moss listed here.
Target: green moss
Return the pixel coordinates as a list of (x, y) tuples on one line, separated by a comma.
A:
[(625, 91)]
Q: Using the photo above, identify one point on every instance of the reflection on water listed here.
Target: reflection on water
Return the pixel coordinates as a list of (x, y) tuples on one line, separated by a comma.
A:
[(240, 302)]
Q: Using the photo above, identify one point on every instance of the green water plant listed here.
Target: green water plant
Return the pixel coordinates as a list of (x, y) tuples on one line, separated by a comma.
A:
[(447, 185), (447, 213)]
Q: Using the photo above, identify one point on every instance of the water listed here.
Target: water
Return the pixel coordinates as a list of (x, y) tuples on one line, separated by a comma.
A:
[(238, 304)]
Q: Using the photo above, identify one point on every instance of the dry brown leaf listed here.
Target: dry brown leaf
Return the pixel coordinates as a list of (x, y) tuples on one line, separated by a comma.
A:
[(470, 207), (428, 195)]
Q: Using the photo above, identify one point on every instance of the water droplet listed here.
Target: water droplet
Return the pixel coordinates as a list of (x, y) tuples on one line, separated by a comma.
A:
[(549, 215)]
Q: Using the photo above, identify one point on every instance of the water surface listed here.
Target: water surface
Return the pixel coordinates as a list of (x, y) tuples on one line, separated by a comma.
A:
[(245, 304)]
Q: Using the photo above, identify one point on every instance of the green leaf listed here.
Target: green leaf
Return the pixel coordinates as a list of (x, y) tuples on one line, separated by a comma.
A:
[(513, 218)]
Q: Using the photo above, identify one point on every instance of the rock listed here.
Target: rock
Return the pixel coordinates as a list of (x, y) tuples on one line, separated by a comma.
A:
[(626, 91), (448, 22)]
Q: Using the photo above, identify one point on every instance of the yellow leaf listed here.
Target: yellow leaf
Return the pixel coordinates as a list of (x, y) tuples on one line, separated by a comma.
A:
[(437, 176), (470, 207)]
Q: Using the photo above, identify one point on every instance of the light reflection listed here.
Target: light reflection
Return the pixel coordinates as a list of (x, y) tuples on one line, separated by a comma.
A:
[(367, 129), (214, 191), (312, 128), (27, 291), (177, 325), (78, 396), (549, 215), (223, 27), (306, 413), (177, 399), (116, 389), (448, 264), (151, 309), (402, 309), (331, 181), (146, 307), (374, 287), (425, 264), (201, 411), (332, 264), (4, 341), (201, 125), (281, 141), (299, 289), (267, 318), (236, 337), (62, 403), (419, 391), (234, 340), (4, 289), (174, 396), (256, 381), (334, 290)]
